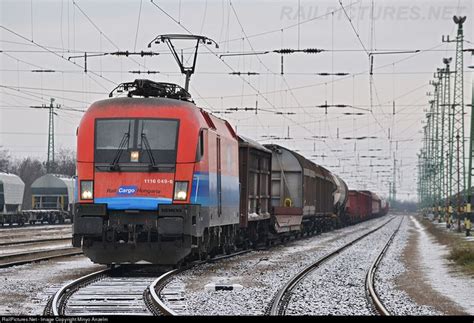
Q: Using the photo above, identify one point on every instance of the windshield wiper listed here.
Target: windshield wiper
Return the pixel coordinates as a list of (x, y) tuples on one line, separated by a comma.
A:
[(153, 165), (114, 165)]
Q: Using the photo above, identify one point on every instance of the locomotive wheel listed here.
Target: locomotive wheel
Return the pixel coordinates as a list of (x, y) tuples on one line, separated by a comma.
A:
[(204, 246)]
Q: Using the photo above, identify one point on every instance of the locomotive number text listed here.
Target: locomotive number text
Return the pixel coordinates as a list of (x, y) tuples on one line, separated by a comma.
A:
[(157, 181)]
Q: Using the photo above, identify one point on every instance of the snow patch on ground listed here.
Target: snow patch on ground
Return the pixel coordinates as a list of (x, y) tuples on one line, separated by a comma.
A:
[(26, 289), (397, 301), (454, 285)]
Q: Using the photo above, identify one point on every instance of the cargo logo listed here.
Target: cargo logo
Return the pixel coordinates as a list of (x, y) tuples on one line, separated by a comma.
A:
[(127, 190)]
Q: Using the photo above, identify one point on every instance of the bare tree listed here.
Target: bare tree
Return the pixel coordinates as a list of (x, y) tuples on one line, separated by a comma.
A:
[(65, 162), (5, 163), (29, 170)]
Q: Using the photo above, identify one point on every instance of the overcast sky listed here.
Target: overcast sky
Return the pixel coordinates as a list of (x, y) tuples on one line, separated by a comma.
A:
[(44, 35)]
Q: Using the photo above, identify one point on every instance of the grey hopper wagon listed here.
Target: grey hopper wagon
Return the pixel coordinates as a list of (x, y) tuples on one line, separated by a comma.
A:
[(52, 198), (302, 192), (11, 197)]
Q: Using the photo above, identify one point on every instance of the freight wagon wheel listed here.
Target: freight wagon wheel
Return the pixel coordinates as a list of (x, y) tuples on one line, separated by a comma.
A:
[(213, 253), (204, 246)]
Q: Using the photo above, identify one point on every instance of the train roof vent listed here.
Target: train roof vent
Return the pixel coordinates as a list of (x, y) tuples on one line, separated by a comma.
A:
[(208, 119), (147, 88)]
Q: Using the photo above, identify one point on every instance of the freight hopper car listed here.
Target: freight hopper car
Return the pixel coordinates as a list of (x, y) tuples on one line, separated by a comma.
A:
[(341, 196), (384, 207), (52, 199), (302, 193), (11, 198), (158, 178)]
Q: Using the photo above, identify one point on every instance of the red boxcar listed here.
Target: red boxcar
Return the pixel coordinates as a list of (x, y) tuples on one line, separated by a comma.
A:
[(359, 205), (376, 204)]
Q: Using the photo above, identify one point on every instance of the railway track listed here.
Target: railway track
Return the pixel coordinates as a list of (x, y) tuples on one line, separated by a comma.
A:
[(138, 291), (34, 234), (22, 258), (38, 226), (131, 290), (372, 295), (281, 299), (112, 291), (18, 242)]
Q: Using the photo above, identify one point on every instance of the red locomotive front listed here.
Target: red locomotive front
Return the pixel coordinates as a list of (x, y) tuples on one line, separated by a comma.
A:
[(149, 186)]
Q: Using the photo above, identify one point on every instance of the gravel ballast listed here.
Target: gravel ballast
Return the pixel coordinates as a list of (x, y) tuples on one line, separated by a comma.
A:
[(338, 286), (261, 273)]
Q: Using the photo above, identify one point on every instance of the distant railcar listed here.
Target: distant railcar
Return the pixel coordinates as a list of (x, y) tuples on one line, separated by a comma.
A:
[(384, 207), (52, 198), (359, 206), (376, 204), (11, 198)]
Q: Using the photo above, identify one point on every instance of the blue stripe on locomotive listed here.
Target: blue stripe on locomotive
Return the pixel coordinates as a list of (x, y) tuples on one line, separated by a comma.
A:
[(203, 192), (133, 203)]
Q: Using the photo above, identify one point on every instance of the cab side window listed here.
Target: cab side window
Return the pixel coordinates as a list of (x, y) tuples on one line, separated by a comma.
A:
[(200, 146)]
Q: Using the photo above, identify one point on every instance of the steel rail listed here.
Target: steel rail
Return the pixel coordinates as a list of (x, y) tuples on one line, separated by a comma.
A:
[(281, 299), (56, 307), (370, 277), (66, 253), (157, 305), (12, 243)]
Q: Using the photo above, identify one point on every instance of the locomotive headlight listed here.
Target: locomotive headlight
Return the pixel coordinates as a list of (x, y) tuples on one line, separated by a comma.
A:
[(134, 156), (87, 190), (180, 191)]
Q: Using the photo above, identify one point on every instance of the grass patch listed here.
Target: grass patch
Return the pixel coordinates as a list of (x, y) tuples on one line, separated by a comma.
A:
[(463, 255), (461, 252)]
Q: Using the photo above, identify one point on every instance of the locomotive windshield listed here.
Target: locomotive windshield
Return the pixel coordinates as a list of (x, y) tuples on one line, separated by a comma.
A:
[(131, 144)]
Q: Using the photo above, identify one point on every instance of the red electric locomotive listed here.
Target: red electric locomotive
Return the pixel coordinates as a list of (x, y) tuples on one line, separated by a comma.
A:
[(158, 178)]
